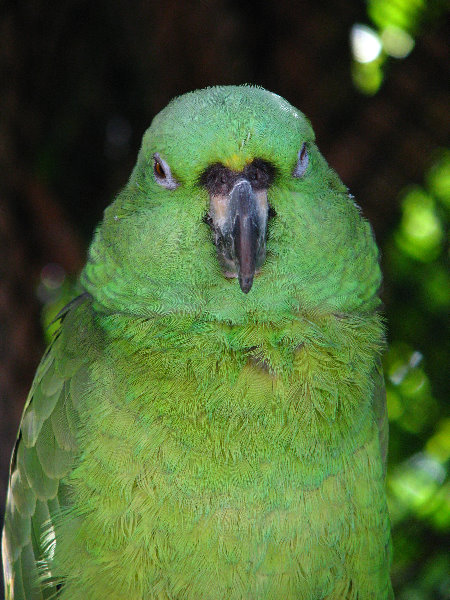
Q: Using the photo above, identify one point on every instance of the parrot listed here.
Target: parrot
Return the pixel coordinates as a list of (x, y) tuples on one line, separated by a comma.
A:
[(209, 421)]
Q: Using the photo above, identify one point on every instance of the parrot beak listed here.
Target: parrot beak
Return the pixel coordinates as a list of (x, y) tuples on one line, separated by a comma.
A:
[(239, 221)]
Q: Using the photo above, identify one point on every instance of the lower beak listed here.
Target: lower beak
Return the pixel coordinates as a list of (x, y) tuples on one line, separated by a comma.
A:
[(239, 221)]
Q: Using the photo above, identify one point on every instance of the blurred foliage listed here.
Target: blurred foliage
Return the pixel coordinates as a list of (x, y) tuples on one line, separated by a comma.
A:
[(416, 368), (397, 23), (418, 302)]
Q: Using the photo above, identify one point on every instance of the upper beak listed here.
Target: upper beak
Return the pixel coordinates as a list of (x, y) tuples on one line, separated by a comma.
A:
[(245, 232), (239, 220)]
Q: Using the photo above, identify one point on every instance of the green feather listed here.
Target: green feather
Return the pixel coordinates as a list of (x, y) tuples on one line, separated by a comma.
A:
[(184, 440), (23, 495)]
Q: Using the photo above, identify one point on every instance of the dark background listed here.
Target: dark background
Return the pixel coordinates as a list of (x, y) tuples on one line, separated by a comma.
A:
[(80, 82)]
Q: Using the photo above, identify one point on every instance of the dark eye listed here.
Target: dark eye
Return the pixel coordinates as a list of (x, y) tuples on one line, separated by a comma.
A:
[(302, 162), (159, 170), (162, 173)]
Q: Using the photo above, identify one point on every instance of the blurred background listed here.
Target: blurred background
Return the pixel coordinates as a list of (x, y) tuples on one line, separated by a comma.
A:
[(79, 84)]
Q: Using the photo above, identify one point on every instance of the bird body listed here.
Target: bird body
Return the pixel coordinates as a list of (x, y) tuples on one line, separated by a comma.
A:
[(209, 421)]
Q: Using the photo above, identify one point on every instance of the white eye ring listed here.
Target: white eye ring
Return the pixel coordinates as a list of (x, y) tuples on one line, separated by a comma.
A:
[(162, 173), (302, 162)]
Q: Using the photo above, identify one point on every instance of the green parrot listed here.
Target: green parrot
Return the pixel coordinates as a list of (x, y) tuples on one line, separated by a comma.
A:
[(209, 422)]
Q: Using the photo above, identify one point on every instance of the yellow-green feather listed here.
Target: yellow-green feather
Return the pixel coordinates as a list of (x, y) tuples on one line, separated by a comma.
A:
[(209, 476)]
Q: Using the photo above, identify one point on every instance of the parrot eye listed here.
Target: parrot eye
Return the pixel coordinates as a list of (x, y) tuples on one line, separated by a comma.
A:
[(302, 162), (159, 170), (162, 173)]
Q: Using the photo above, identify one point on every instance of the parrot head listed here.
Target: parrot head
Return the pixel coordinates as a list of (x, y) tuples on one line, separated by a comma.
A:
[(231, 209)]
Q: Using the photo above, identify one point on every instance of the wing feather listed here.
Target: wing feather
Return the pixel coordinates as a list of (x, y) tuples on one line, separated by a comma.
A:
[(43, 455)]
